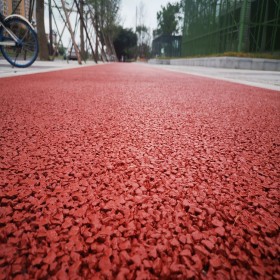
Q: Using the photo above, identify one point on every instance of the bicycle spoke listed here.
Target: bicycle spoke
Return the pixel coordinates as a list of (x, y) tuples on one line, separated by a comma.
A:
[(25, 51), (15, 60), (26, 33)]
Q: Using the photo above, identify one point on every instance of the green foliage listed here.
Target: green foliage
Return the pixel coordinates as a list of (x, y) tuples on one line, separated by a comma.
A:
[(141, 28), (125, 43), (105, 11), (143, 42), (169, 19), (144, 51), (61, 50), (104, 15)]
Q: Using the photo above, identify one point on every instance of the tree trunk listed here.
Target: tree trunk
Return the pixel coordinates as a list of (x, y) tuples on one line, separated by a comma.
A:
[(43, 43), (96, 16), (94, 54), (82, 37), (96, 44), (85, 28), (113, 48)]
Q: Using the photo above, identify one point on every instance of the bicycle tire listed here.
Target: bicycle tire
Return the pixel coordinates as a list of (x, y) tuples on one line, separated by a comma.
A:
[(25, 52)]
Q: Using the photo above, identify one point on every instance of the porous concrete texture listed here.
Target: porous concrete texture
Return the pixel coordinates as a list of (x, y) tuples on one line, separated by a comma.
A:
[(125, 171)]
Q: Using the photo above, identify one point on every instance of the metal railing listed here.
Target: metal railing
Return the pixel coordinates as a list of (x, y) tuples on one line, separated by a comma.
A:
[(218, 26)]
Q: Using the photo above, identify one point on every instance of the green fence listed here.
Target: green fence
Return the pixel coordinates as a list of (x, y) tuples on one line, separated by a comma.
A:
[(218, 26)]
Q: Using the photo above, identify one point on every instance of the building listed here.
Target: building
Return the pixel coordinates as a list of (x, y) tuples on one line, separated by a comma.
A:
[(166, 46), (219, 26), (21, 7)]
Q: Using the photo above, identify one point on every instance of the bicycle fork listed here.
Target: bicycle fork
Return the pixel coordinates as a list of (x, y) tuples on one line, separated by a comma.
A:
[(14, 37)]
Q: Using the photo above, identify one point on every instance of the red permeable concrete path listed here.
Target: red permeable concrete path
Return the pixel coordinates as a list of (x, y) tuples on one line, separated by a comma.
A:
[(123, 171)]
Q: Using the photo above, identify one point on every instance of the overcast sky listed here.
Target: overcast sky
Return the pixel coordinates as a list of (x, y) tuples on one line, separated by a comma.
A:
[(127, 16), (151, 7)]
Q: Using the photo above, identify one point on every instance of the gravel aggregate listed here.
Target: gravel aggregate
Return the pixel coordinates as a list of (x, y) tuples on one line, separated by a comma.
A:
[(127, 172)]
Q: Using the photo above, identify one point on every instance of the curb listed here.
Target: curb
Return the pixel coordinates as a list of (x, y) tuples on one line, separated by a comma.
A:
[(224, 62)]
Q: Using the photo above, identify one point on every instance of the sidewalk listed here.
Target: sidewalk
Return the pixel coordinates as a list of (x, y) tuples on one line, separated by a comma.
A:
[(257, 78), (6, 70)]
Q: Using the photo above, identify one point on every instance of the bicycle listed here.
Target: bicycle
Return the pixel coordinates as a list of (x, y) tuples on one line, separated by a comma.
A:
[(18, 41)]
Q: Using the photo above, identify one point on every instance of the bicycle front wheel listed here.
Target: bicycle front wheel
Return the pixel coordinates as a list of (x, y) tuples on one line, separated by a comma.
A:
[(26, 49)]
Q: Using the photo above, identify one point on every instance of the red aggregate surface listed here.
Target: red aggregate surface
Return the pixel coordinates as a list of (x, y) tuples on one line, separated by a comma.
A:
[(122, 171)]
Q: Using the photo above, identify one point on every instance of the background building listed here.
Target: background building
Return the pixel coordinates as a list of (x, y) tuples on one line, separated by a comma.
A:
[(218, 26), (166, 46), (21, 7)]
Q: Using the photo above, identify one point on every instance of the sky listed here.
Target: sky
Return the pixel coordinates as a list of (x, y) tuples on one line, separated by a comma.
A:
[(151, 7), (127, 16)]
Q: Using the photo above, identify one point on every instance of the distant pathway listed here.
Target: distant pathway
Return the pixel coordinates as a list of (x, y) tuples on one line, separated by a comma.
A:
[(128, 172)]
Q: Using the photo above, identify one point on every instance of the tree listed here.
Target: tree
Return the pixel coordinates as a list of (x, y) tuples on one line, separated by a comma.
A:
[(169, 19), (104, 15), (143, 32), (68, 23), (143, 42), (82, 37), (125, 43), (43, 43)]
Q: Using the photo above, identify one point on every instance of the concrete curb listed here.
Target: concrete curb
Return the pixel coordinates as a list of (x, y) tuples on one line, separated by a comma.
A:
[(224, 62)]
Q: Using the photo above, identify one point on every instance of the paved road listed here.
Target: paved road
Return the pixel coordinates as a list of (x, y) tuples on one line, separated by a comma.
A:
[(127, 171), (263, 79)]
